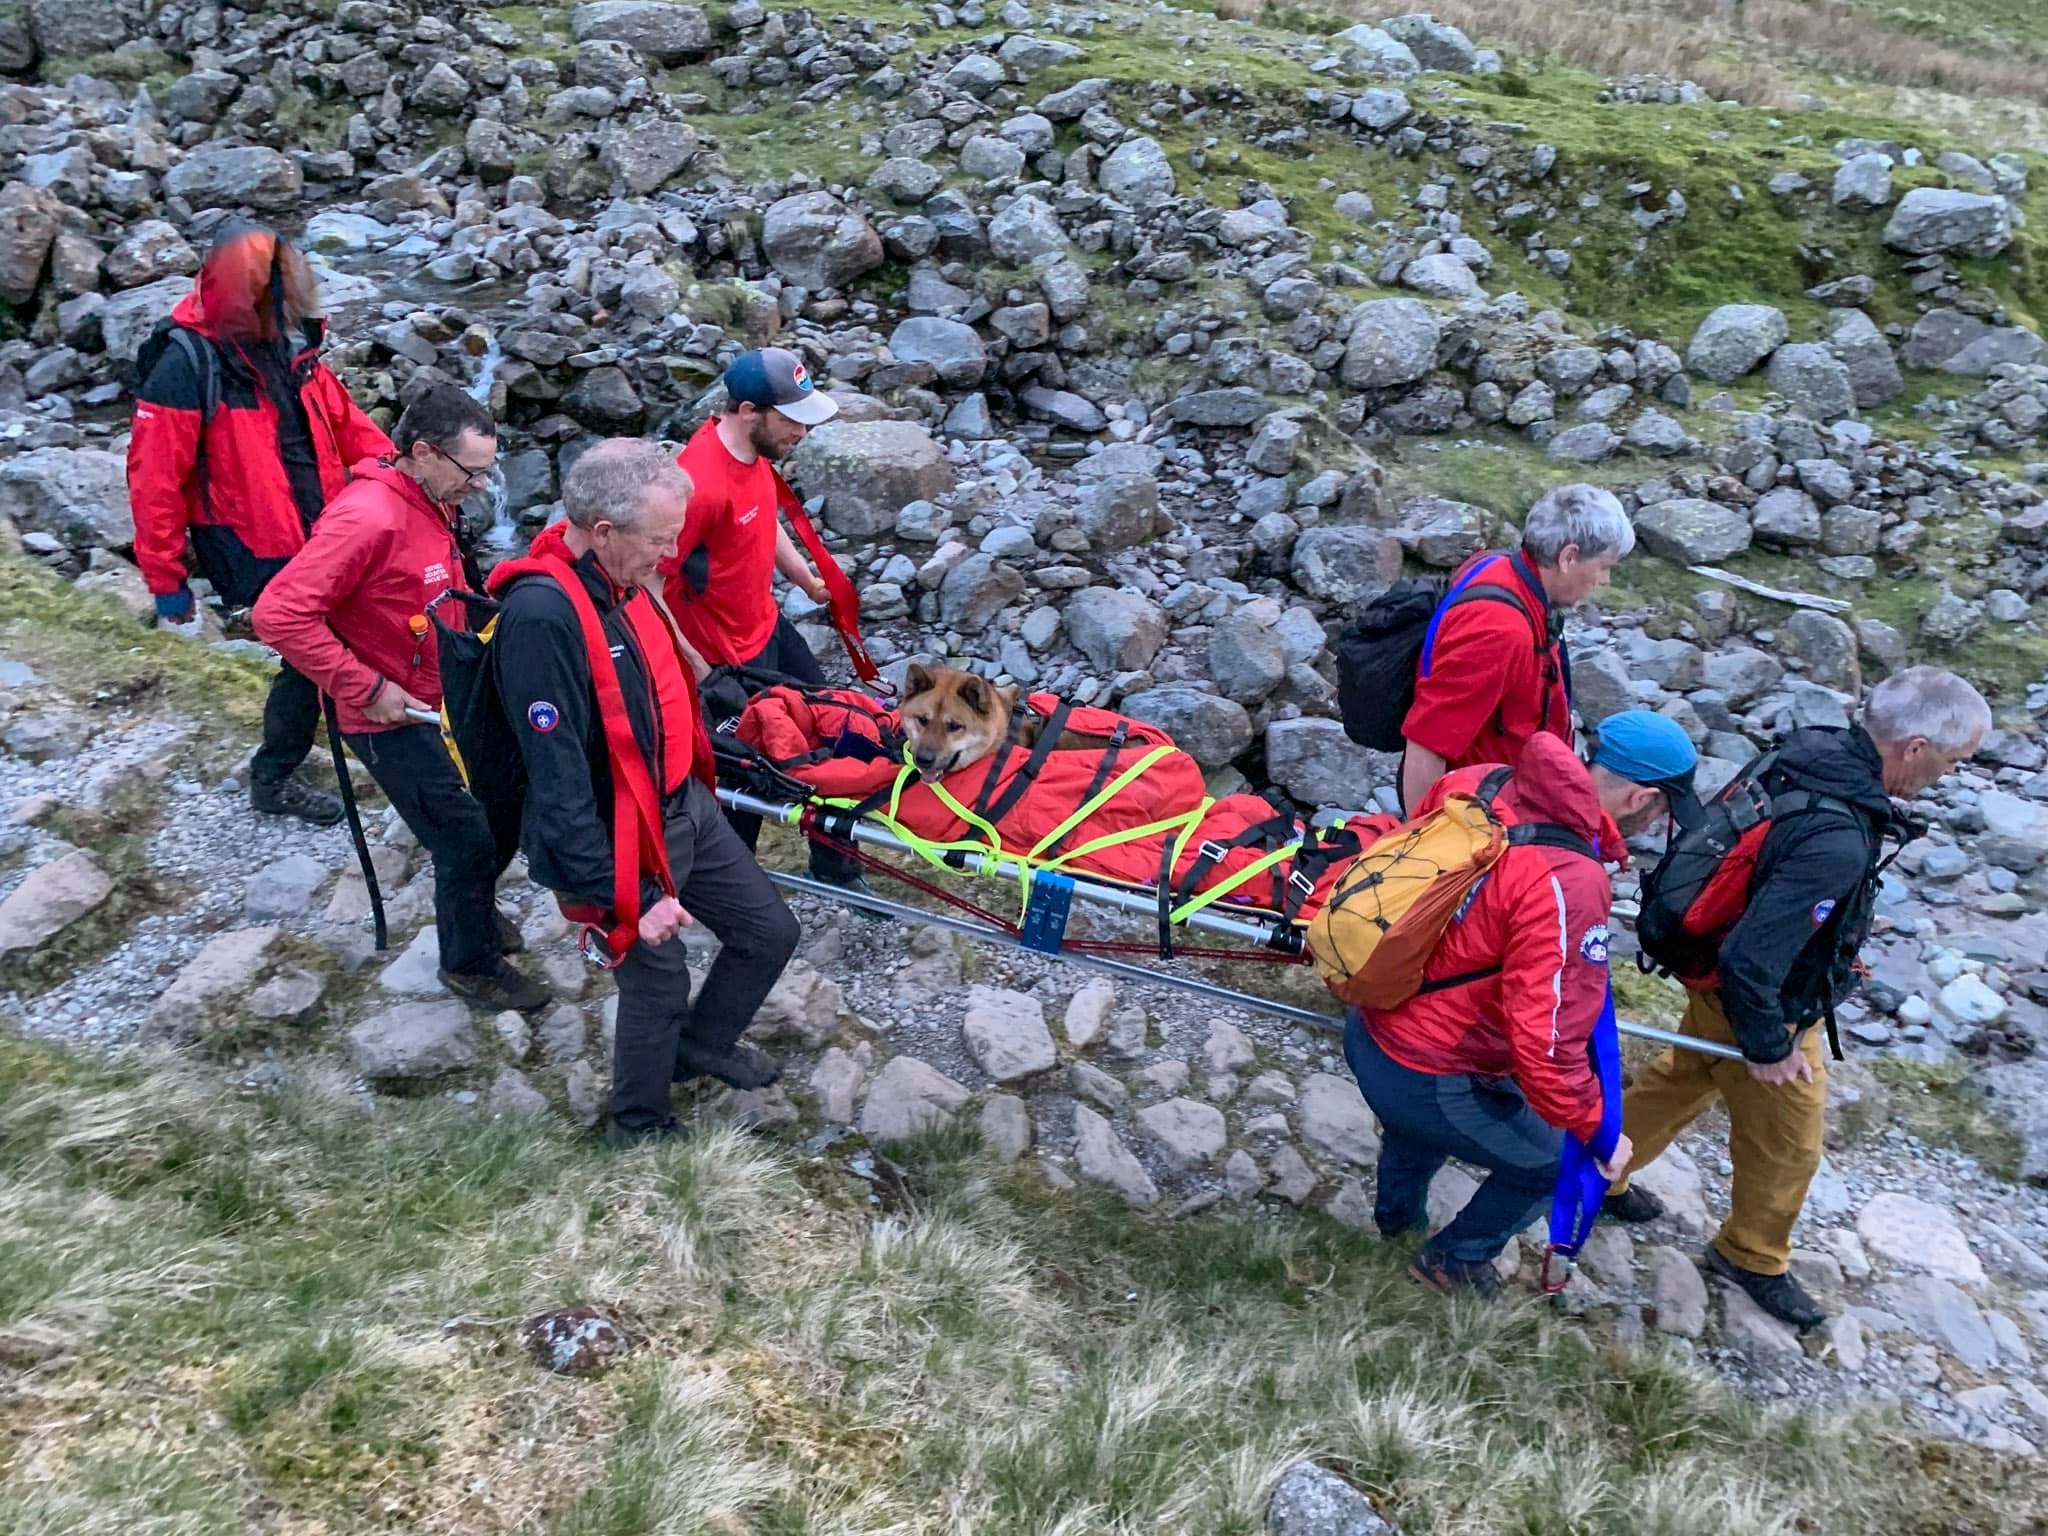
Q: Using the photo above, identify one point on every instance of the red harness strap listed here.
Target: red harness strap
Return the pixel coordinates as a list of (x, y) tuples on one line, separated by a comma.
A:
[(843, 601), (637, 840)]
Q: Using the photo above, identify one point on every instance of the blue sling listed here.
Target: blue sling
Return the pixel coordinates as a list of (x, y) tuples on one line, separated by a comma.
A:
[(1580, 1188)]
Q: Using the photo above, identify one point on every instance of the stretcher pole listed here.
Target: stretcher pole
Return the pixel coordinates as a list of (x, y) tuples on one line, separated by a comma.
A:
[(996, 866), (1146, 975)]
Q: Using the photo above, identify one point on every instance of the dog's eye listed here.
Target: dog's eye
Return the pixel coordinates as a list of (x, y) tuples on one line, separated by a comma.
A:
[(922, 719), (953, 726)]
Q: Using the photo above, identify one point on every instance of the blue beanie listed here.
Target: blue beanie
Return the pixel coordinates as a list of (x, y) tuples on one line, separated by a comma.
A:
[(1645, 747)]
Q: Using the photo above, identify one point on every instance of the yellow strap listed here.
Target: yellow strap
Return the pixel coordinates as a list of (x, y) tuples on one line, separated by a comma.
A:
[(1257, 867), (1115, 787)]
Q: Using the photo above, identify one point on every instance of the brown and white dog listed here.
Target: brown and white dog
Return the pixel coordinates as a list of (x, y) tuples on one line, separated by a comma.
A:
[(954, 719)]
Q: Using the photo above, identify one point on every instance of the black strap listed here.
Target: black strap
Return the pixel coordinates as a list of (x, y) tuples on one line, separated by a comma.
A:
[(1274, 832), (1548, 834), (1020, 785), (1834, 1033), (1103, 769), (1491, 786), (355, 821), (1165, 896), (1462, 979)]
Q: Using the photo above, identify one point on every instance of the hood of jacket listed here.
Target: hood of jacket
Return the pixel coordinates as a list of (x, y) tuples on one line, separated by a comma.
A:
[(239, 294), (1837, 761), (1551, 784)]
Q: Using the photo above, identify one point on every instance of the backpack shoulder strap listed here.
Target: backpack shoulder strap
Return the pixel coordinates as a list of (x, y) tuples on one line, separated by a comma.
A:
[(1488, 593), (205, 365), (1549, 834)]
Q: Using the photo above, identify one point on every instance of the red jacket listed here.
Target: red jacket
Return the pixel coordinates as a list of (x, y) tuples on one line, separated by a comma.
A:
[(1540, 916), (349, 610), (244, 521), (1490, 678)]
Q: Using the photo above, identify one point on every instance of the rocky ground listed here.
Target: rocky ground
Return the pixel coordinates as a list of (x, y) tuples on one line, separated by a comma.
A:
[(1161, 344)]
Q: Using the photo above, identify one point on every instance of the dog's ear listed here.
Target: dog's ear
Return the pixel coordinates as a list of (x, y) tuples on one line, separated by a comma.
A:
[(974, 693), (1006, 701), (916, 679)]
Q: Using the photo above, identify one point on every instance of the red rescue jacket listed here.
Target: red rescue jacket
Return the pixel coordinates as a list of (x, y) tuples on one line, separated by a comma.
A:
[(1540, 916), (349, 610), (244, 522), (1489, 678)]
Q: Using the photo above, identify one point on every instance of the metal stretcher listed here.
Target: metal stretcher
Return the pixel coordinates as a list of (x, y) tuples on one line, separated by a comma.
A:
[(1047, 904)]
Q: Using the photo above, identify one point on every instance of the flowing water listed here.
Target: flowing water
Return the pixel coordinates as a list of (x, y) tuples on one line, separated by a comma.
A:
[(503, 531)]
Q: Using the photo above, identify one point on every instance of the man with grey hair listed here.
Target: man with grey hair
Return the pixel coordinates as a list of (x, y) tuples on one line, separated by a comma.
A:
[(1763, 927), (1493, 670), (620, 819)]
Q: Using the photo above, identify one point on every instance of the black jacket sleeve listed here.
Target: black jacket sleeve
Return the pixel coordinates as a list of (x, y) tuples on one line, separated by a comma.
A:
[(1808, 869), (544, 682)]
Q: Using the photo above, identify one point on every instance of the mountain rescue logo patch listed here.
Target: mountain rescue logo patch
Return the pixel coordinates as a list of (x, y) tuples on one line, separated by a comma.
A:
[(543, 716), (1593, 946), (1822, 911)]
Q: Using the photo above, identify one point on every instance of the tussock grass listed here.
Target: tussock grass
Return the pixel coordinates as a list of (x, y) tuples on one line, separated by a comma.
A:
[(1756, 50), (298, 1313)]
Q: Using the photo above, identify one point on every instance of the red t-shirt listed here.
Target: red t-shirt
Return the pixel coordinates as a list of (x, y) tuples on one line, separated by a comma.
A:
[(1484, 689), (720, 581)]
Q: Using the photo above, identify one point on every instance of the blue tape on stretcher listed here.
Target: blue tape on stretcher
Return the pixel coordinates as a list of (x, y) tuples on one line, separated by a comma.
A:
[(1576, 1204), (1045, 915)]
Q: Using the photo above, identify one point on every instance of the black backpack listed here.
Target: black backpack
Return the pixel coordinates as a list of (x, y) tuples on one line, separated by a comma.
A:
[(1380, 653), (205, 365)]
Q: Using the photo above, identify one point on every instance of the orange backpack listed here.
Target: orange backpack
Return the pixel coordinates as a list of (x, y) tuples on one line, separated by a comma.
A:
[(1387, 913)]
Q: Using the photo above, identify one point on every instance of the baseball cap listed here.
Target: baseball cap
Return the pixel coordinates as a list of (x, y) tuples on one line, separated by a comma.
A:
[(1647, 748), (777, 377)]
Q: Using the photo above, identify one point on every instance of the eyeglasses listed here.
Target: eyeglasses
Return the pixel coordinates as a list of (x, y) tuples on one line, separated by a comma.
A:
[(470, 476)]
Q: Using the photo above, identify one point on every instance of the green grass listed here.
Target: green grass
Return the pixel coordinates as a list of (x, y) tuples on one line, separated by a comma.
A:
[(1993, 24), (89, 648), (238, 1308), (1943, 1106)]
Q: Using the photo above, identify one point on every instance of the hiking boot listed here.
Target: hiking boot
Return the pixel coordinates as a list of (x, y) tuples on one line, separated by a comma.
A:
[(510, 940), (1632, 1205), (739, 1065), (288, 797), (1451, 1278), (503, 986), (622, 1138), (1780, 1295)]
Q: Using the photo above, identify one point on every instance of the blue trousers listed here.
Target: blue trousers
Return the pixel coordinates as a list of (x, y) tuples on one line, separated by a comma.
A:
[(1426, 1117)]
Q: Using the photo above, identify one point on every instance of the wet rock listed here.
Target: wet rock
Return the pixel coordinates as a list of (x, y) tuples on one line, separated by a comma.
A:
[(414, 1040)]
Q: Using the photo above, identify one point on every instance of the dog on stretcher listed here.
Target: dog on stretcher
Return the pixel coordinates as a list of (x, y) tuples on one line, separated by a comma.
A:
[(953, 719)]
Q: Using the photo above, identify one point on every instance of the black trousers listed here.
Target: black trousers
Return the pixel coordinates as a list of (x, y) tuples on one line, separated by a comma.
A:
[(786, 653), (291, 717), (470, 843), (721, 886)]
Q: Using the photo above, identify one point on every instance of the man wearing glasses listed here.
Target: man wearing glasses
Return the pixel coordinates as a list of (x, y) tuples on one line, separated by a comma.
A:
[(350, 612)]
